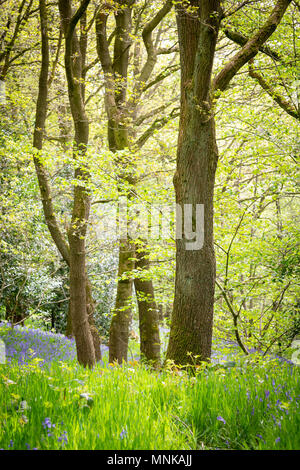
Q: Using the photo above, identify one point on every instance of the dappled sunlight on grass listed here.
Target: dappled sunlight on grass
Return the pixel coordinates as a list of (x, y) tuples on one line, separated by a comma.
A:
[(251, 405)]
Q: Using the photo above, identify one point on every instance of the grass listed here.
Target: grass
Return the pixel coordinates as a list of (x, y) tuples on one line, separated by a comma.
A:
[(253, 405)]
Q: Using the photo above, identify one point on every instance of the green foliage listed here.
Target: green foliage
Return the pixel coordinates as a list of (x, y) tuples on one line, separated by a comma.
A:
[(256, 191)]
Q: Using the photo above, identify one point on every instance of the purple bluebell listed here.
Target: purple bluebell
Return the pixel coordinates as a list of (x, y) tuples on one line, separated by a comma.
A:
[(219, 418), (123, 433)]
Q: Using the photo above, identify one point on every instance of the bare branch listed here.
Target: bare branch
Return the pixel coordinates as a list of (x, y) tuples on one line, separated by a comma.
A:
[(235, 317), (154, 112), (55, 62), (238, 7)]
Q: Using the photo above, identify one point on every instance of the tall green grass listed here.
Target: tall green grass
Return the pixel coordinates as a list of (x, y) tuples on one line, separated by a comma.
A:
[(63, 406)]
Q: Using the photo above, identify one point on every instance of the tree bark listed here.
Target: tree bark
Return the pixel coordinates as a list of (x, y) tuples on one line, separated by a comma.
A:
[(119, 328), (69, 329), (148, 311), (192, 318)]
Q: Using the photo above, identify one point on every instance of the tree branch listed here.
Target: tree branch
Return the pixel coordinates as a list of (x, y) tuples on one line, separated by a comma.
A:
[(150, 48), (251, 48), (106, 63), (73, 67), (162, 75), (241, 40), (280, 100), (235, 317), (155, 126)]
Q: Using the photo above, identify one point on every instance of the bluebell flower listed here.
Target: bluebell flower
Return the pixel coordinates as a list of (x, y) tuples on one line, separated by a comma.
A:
[(123, 433), (219, 418), (47, 423), (63, 438)]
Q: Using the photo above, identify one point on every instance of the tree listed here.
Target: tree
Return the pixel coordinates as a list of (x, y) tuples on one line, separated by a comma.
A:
[(9, 50), (129, 86), (198, 29), (81, 201), (81, 302), (123, 113)]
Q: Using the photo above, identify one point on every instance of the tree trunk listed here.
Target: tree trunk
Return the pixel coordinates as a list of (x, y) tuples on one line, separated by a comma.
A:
[(90, 311), (119, 130), (81, 201), (69, 329), (51, 221), (119, 328), (192, 318), (78, 297), (148, 311)]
